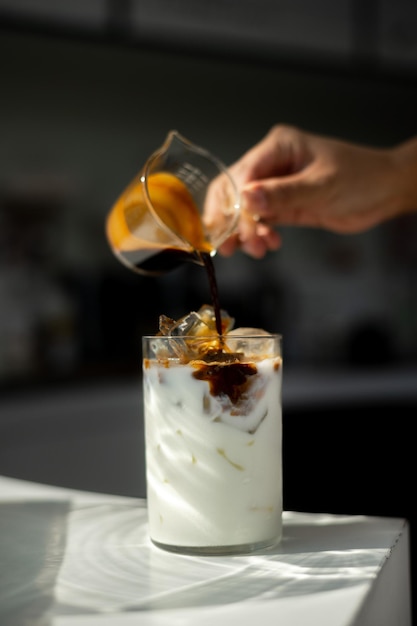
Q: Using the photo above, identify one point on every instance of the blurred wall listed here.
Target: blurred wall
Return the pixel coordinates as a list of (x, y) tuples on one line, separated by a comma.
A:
[(78, 119)]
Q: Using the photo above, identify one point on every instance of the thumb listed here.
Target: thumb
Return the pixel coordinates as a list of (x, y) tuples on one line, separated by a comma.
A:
[(284, 200)]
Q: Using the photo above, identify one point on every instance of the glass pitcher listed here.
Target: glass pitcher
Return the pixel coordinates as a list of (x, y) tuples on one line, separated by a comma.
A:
[(182, 204)]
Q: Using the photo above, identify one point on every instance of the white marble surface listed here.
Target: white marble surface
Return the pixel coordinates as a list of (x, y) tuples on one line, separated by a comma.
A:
[(72, 558)]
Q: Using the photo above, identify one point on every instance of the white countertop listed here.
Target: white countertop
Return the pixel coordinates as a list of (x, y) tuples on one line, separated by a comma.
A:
[(76, 558)]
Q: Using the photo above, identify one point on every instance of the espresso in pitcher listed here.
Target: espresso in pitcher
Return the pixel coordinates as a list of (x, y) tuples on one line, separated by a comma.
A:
[(164, 261), (175, 216), (155, 225)]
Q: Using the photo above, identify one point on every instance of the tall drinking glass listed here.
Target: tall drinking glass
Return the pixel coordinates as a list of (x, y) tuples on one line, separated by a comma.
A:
[(213, 430)]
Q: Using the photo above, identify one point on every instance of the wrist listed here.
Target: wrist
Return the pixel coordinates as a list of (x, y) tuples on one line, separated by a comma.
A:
[(405, 164)]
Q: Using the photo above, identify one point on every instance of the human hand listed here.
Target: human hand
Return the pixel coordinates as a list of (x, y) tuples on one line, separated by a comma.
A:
[(295, 178)]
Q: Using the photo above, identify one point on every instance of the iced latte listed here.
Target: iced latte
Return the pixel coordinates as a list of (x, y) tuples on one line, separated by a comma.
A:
[(213, 435)]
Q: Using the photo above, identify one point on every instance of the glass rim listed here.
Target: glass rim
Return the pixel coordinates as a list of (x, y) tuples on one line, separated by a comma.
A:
[(213, 337)]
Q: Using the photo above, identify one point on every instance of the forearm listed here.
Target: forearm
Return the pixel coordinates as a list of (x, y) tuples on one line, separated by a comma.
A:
[(405, 159)]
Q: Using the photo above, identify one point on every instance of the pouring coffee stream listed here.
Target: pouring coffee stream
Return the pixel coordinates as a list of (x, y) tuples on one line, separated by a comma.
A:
[(214, 291)]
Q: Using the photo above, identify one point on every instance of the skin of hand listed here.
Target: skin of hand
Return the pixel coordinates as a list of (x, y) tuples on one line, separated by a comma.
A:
[(295, 178)]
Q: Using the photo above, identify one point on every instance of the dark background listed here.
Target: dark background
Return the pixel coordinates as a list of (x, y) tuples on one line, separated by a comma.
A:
[(88, 91)]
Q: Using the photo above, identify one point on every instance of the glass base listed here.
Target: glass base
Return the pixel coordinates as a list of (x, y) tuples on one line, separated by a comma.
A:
[(244, 548)]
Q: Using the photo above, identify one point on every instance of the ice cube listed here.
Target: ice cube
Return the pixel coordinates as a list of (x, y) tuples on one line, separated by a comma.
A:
[(249, 332), (165, 324), (207, 314), (191, 325), (252, 342), (161, 348), (194, 331), (198, 328)]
